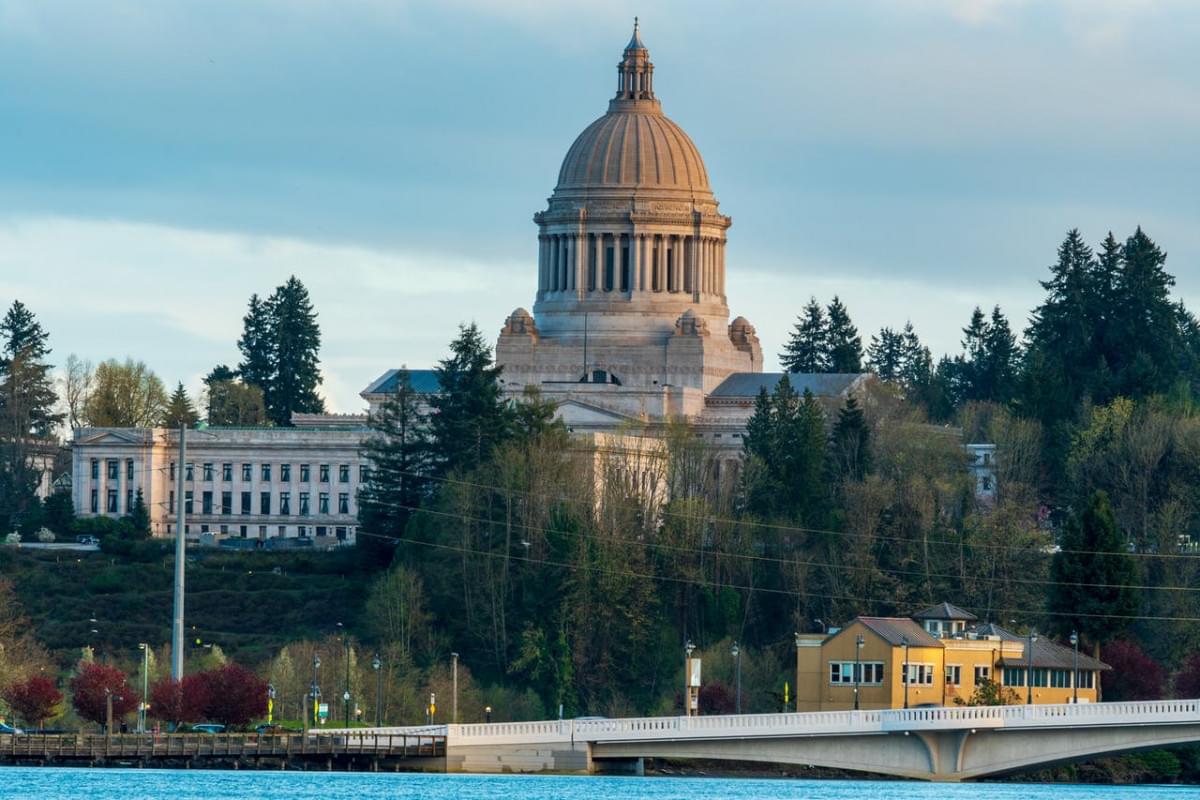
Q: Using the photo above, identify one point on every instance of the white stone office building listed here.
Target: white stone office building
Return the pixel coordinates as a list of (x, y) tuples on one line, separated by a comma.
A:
[(272, 486)]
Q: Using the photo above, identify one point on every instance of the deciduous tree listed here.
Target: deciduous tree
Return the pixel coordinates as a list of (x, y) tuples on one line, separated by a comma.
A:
[(92, 686), (34, 700), (125, 395)]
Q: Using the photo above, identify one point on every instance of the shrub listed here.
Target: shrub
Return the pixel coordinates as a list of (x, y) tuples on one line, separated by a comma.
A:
[(91, 688), (35, 700), (1134, 675)]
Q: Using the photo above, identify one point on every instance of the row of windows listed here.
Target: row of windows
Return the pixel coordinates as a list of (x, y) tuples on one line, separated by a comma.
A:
[(324, 471), (112, 469), (110, 502), (843, 672), (263, 531), (264, 503), (1043, 677), (918, 674)]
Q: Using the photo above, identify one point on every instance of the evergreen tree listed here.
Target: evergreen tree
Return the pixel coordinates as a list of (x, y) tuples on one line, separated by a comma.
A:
[(843, 344), (139, 516), (257, 345), (885, 354), (180, 410), (27, 395), (1145, 340), (295, 342), (399, 464), (1093, 576), (759, 428), (850, 443), (1002, 361), (807, 350), (470, 417), (809, 465)]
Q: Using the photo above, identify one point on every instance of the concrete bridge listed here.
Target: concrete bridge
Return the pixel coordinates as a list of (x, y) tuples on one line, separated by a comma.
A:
[(940, 744)]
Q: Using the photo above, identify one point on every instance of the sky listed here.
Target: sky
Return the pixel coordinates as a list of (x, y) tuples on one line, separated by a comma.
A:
[(162, 161)]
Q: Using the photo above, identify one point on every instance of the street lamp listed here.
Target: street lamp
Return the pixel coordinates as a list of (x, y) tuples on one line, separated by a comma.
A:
[(907, 669), (487, 713), (145, 648), (1029, 669), (687, 680), (454, 697), (824, 627), (314, 691), (1075, 667), (346, 684), (797, 638), (375, 665), (737, 671), (858, 646)]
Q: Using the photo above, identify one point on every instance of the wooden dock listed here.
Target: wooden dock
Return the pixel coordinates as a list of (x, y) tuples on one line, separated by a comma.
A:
[(361, 752)]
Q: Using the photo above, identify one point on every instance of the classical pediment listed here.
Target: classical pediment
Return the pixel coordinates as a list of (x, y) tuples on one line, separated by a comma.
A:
[(575, 412), (118, 436)]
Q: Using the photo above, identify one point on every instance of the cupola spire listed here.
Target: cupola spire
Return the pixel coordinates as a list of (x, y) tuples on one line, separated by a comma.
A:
[(636, 73)]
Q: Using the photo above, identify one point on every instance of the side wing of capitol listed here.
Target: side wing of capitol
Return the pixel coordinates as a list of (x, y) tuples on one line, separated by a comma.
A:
[(630, 329)]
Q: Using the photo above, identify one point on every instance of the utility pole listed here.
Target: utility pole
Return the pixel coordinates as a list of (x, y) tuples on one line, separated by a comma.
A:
[(180, 544), (454, 698)]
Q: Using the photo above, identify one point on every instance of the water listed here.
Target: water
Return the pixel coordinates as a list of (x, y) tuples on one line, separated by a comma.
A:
[(136, 784)]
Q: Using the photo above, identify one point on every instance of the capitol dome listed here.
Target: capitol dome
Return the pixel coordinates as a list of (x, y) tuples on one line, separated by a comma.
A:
[(634, 145)]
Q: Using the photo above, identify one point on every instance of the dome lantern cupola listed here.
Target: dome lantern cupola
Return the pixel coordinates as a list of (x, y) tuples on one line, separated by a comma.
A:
[(635, 73)]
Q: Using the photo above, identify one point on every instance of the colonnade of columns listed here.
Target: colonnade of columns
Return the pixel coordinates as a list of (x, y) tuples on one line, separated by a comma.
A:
[(585, 263)]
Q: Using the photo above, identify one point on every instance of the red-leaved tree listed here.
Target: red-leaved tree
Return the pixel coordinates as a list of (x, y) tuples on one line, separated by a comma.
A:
[(91, 687), (1187, 680), (179, 701), (235, 695), (35, 700), (1134, 675)]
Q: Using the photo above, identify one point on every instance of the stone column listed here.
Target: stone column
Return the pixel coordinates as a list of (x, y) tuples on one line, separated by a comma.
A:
[(598, 250), (721, 267), (635, 265), (579, 283), (572, 254)]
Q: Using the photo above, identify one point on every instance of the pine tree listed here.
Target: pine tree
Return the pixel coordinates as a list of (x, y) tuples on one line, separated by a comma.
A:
[(1146, 342), (807, 350), (1002, 361), (809, 465), (180, 410), (850, 443), (27, 395), (139, 516), (295, 342), (843, 344), (1093, 576), (398, 478), (470, 418), (885, 354), (257, 345)]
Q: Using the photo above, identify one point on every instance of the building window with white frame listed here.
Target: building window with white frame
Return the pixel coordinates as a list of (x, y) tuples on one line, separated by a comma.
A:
[(95, 469), (841, 673), (247, 473), (95, 500), (344, 503), (305, 473), (285, 504), (227, 473), (189, 471), (954, 674), (304, 504), (983, 672), (323, 503), (111, 502), (113, 469), (207, 472), (324, 473), (265, 474), (918, 674), (285, 473), (343, 473)]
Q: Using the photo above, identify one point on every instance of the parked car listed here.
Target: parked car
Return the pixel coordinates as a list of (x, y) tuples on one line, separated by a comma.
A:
[(265, 729), (208, 727), (6, 728)]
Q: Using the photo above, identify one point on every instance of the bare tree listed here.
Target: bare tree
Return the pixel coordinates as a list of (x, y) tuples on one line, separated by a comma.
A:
[(77, 379)]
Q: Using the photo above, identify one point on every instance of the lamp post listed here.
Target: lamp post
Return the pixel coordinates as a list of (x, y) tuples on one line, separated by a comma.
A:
[(454, 689), (737, 680), (687, 678), (145, 648), (1075, 667), (858, 646), (346, 682), (1029, 669), (797, 637), (375, 665), (487, 714), (907, 669), (314, 691)]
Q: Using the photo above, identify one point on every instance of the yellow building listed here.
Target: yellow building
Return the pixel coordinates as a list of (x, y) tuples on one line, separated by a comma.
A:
[(938, 657)]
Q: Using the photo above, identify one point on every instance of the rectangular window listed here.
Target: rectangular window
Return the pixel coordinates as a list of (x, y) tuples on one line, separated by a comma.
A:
[(247, 472), (206, 500), (226, 502), (129, 469), (982, 673), (242, 531), (227, 472), (953, 674), (110, 504), (246, 500), (322, 530), (264, 502), (363, 473), (1014, 676), (187, 502), (95, 501), (282, 531), (1041, 676), (1060, 678), (324, 473), (285, 503), (343, 473), (842, 673), (305, 473), (323, 503), (344, 503), (208, 472), (266, 472), (172, 472), (189, 472), (128, 500), (113, 469), (919, 674), (340, 531), (262, 531), (171, 503), (224, 529), (1087, 679), (302, 531), (95, 469), (285, 473), (204, 529), (304, 504)]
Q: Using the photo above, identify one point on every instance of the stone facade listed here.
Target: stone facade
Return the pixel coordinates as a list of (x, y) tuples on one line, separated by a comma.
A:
[(257, 484)]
